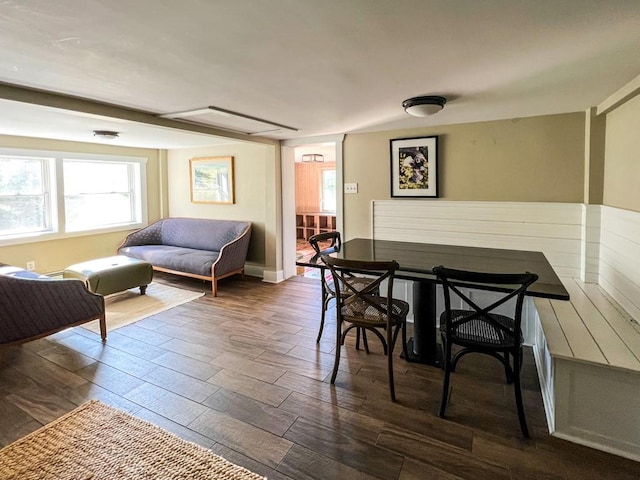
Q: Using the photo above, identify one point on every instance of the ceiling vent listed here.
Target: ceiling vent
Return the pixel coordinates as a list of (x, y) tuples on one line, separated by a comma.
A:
[(229, 120)]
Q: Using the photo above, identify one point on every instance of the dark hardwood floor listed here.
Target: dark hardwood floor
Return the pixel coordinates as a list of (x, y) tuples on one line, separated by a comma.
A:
[(241, 374)]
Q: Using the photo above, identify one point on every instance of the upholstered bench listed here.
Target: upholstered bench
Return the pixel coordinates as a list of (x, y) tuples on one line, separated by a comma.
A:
[(112, 274)]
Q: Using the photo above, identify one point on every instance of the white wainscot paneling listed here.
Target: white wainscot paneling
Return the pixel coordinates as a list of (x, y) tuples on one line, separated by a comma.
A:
[(599, 407), (556, 229), (591, 250), (619, 267), (403, 290)]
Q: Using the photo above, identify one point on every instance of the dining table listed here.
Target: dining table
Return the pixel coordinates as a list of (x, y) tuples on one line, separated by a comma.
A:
[(416, 262)]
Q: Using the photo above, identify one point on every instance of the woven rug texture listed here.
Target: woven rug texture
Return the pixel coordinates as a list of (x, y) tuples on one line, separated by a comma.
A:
[(129, 306), (96, 442)]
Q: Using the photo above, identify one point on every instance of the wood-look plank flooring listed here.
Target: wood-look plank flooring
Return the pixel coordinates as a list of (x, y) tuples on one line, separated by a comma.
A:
[(241, 374)]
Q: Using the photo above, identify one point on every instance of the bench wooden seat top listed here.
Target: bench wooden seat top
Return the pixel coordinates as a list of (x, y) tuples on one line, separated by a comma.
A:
[(591, 327)]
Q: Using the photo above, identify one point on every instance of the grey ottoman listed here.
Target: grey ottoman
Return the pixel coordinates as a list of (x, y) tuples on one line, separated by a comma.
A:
[(112, 274)]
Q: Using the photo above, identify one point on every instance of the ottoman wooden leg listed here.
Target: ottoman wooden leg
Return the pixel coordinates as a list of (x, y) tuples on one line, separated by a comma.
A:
[(143, 289)]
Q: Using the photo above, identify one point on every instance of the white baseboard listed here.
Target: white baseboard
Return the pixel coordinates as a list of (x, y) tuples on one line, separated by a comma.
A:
[(271, 276)]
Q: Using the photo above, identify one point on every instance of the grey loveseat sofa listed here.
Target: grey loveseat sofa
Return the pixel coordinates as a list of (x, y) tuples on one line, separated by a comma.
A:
[(194, 247)]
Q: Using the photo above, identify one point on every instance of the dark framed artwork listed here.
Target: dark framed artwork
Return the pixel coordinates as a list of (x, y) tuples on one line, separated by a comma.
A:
[(414, 167)]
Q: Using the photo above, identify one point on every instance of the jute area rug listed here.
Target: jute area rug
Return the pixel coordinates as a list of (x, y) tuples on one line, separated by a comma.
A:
[(129, 306), (96, 441)]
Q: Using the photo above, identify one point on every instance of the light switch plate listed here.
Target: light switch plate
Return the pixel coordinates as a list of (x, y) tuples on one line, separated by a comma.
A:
[(350, 188)]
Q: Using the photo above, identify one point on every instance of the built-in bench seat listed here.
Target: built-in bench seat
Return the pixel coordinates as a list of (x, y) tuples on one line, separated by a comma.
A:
[(588, 356)]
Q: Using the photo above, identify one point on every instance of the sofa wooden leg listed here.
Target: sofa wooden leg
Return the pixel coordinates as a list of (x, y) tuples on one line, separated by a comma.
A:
[(214, 287), (103, 328)]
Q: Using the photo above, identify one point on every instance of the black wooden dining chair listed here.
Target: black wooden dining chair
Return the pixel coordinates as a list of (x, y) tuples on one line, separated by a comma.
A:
[(331, 242), (365, 308), (481, 329)]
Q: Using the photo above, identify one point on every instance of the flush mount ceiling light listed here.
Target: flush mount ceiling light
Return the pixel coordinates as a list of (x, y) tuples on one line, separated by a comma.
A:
[(106, 134), (424, 106), (313, 157)]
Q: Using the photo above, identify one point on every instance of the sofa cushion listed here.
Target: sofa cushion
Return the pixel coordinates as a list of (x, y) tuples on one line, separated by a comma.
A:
[(200, 234), (180, 259)]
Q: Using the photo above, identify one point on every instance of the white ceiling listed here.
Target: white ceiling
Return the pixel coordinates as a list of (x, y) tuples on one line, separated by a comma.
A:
[(23, 119), (323, 67)]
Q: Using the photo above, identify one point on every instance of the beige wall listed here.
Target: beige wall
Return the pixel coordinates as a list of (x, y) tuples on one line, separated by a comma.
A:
[(255, 190), (55, 255), (536, 159), (622, 157)]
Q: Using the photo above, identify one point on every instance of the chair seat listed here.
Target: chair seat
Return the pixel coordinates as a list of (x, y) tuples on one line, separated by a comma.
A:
[(481, 331), (362, 313)]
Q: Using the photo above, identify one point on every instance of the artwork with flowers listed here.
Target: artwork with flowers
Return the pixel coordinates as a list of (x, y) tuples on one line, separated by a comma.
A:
[(414, 163)]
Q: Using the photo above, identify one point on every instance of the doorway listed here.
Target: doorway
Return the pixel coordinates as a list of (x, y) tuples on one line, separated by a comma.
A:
[(315, 185), (312, 195)]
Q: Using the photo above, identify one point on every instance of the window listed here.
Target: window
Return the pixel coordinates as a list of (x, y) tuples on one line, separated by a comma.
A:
[(328, 200), (25, 200), (57, 193), (99, 194)]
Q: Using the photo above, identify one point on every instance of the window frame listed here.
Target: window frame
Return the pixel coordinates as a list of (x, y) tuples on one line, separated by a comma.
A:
[(56, 193), (322, 189)]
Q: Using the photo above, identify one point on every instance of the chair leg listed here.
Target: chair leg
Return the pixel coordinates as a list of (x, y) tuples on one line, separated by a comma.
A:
[(518, 392), (339, 340), (521, 358), (447, 374), (325, 304), (404, 338), (456, 358), (405, 352), (392, 388), (508, 372), (347, 330), (364, 338), (381, 337)]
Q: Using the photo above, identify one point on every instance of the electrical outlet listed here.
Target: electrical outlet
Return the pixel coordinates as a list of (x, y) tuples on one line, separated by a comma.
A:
[(350, 188), (31, 266)]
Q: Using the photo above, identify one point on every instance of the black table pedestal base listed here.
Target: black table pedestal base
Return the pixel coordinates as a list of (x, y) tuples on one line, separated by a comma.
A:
[(434, 358), (423, 347)]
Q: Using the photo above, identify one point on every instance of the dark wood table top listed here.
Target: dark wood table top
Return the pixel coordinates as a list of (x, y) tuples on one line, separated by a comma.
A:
[(417, 260)]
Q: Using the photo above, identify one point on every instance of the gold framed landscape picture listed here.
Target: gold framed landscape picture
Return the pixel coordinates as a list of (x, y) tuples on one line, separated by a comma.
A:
[(211, 180)]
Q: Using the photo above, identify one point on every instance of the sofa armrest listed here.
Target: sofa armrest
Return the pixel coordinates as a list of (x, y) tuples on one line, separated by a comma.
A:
[(233, 254), (33, 308), (149, 235)]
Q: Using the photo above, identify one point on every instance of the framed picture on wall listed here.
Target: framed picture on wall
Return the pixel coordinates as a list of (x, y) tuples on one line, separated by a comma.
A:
[(211, 180), (414, 167)]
